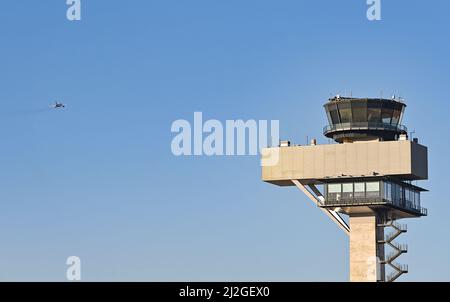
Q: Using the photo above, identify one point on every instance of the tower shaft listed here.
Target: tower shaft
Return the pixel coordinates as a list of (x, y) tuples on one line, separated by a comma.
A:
[(366, 253)]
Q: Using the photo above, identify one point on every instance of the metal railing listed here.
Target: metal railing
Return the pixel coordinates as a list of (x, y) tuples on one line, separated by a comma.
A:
[(358, 200), (364, 126), (402, 227), (405, 204), (375, 201), (400, 267), (399, 247), (424, 211), (399, 270)]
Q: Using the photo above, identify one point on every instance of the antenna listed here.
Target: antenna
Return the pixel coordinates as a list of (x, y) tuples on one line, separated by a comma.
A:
[(400, 98)]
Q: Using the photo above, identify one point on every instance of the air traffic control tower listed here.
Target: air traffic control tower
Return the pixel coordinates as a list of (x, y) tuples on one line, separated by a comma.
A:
[(369, 174)]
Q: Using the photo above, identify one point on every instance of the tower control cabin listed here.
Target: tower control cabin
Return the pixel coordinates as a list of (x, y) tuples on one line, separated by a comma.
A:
[(369, 175)]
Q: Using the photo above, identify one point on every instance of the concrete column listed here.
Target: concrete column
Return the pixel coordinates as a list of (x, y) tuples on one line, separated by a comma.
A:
[(365, 252)]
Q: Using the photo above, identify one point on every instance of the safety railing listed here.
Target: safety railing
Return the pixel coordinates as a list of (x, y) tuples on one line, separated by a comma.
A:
[(375, 201), (364, 126)]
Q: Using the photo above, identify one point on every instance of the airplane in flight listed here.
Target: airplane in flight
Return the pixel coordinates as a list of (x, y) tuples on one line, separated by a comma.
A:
[(58, 105)]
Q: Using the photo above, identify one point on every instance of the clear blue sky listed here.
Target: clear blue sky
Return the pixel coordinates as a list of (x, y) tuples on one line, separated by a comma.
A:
[(99, 181)]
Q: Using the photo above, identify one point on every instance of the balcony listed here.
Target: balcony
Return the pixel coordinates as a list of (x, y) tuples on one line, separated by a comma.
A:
[(363, 126), (383, 192), (375, 201)]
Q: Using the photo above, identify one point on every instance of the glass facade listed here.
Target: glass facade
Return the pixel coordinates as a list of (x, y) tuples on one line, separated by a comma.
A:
[(353, 118), (404, 196), (334, 191), (333, 114), (347, 191), (372, 189), (396, 114), (374, 112), (359, 111), (401, 195), (353, 191), (386, 113), (345, 112), (360, 190), (365, 111)]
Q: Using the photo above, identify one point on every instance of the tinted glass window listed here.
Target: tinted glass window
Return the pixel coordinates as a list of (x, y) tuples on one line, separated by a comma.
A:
[(401, 115), (345, 112), (386, 115), (374, 112), (330, 121), (417, 199), (360, 190), (373, 186), (396, 193), (334, 192), (372, 189), (346, 188), (347, 191), (397, 114), (396, 117), (359, 187), (387, 191), (334, 115), (359, 111), (334, 188)]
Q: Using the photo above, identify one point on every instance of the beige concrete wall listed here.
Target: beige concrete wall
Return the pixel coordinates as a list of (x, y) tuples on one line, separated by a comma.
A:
[(310, 163), (365, 253)]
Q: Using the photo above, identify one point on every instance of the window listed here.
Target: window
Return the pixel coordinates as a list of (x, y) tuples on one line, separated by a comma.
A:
[(345, 111), (360, 190), (373, 112), (373, 115), (387, 191), (397, 114), (359, 112), (411, 196), (395, 194), (347, 191), (373, 189), (334, 115), (386, 113), (330, 121), (407, 197), (417, 199), (398, 194), (334, 192), (396, 117), (401, 115)]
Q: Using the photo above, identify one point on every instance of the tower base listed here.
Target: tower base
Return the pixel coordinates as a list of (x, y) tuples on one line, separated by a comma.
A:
[(366, 253)]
